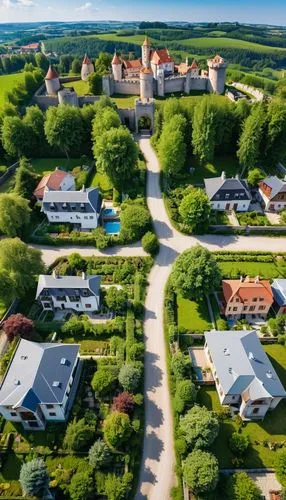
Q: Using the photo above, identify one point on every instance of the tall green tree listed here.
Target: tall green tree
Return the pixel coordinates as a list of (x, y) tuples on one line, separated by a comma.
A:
[(201, 472), (251, 137), (81, 486), (172, 146), (241, 487), (26, 179), (195, 210), (64, 128), (35, 119), (116, 154), (276, 131), (204, 132), (34, 478), (117, 429), (103, 63), (104, 120), (16, 136), (42, 61), (76, 66), (14, 214), (200, 427), (95, 83)]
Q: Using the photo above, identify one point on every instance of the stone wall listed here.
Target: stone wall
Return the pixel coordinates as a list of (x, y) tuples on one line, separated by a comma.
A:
[(258, 94), (127, 87), (127, 117), (175, 84), (200, 83)]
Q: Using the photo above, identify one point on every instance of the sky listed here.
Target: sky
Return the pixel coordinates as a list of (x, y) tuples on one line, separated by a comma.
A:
[(255, 11)]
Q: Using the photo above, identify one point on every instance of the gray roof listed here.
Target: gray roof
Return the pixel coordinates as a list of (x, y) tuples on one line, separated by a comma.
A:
[(215, 184), (276, 185), (241, 364), (68, 282), (279, 291), (33, 371), (90, 196)]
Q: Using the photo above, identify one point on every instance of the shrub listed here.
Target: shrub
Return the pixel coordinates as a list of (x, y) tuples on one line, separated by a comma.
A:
[(117, 487), (195, 210), (81, 485), (34, 477), (18, 325), (185, 395), (130, 377), (103, 383), (240, 486), (201, 471), (78, 435), (180, 366), (123, 403), (221, 324), (150, 243), (199, 426), (116, 299), (281, 467), (99, 455), (239, 444), (135, 221), (117, 428)]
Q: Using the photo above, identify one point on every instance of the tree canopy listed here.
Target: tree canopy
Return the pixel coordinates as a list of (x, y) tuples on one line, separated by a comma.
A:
[(14, 214), (201, 471), (34, 477), (99, 455), (64, 127), (117, 429), (195, 210), (199, 426), (18, 325), (78, 435), (172, 147), (135, 221), (129, 377), (241, 487)]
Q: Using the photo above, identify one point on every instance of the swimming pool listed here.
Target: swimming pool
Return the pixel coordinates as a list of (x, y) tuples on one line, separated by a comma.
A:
[(109, 212), (112, 226)]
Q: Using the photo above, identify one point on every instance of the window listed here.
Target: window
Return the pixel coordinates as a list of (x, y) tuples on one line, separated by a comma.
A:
[(85, 217), (252, 308), (74, 298), (235, 308), (49, 407), (255, 411), (261, 299), (254, 299), (91, 216), (61, 298), (57, 217), (46, 304), (52, 414), (261, 308), (227, 196), (73, 207), (13, 414), (245, 308), (85, 293), (88, 306)]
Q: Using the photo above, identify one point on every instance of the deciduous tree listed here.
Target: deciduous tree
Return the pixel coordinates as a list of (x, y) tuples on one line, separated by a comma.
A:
[(201, 471), (195, 210), (14, 214), (129, 377), (99, 455), (241, 487), (18, 325), (117, 429), (135, 221), (64, 128), (199, 426), (116, 299), (251, 136), (123, 403), (204, 132)]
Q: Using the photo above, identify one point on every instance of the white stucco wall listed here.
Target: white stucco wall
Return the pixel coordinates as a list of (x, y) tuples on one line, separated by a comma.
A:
[(242, 205), (89, 221)]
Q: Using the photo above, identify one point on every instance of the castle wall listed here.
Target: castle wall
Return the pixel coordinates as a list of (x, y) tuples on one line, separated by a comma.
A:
[(126, 87), (174, 84), (127, 117), (199, 83)]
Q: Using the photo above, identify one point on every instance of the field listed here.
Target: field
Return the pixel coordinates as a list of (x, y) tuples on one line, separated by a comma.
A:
[(79, 86), (227, 163), (46, 165), (7, 82), (193, 316), (124, 101), (271, 429), (266, 270)]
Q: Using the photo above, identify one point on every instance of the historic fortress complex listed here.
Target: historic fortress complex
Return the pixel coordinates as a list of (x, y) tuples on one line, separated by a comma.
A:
[(154, 74)]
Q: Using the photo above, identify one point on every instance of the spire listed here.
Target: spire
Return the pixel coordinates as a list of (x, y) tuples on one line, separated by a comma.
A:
[(146, 41), (86, 60), (115, 59), (51, 74)]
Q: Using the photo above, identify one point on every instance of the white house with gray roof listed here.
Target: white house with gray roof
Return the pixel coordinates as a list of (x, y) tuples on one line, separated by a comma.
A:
[(40, 384), (79, 293), (81, 208), (228, 194), (279, 292), (244, 376)]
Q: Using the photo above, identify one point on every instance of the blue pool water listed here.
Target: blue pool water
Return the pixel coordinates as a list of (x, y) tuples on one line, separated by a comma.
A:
[(109, 212), (112, 227)]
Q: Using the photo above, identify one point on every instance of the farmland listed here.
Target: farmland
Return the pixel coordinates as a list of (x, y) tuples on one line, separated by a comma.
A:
[(7, 82)]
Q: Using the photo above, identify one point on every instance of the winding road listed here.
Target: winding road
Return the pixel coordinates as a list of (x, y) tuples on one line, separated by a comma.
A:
[(158, 461)]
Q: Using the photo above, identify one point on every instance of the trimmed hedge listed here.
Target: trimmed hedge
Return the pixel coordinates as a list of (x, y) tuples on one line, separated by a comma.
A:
[(130, 328)]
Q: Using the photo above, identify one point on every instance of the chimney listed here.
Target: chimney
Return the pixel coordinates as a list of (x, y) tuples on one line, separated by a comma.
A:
[(237, 176), (83, 188), (256, 279), (83, 275), (55, 274), (241, 278), (187, 61), (223, 175)]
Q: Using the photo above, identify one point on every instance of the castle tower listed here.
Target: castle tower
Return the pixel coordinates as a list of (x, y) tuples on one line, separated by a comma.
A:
[(146, 84), (195, 70), (116, 68), (217, 69), (86, 69), (52, 81), (146, 53)]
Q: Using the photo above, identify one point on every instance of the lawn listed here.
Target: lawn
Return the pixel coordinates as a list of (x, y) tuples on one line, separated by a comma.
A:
[(266, 270), (79, 86), (101, 181), (193, 316), (124, 101), (3, 308), (252, 219), (271, 429), (227, 163), (7, 82), (214, 306), (44, 166)]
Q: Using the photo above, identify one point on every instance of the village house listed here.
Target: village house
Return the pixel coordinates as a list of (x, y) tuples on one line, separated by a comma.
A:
[(81, 208), (279, 292), (273, 193), (40, 384), (244, 376), (59, 180), (228, 194), (77, 293), (162, 60), (247, 298)]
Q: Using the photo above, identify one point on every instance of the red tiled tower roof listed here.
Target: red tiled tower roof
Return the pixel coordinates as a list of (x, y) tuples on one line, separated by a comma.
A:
[(194, 65), (146, 41), (161, 56), (51, 74), (115, 59), (86, 60)]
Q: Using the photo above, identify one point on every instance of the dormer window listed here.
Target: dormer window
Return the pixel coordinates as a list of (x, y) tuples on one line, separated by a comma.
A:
[(64, 206), (82, 206), (73, 207), (227, 196), (52, 206)]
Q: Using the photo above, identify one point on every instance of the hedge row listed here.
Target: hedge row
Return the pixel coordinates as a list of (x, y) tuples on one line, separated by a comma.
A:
[(130, 337)]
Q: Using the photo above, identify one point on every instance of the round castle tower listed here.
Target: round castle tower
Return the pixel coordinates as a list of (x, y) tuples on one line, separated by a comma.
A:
[(116, 68), (52, 81), (146, 84), (86, 69), (145, 50), (217, 68)]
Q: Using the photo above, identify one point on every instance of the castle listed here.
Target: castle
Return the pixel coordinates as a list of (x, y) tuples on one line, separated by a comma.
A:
[(155, 73)]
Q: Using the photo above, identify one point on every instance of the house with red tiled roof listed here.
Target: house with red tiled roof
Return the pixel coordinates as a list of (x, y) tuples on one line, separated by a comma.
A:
[(247, 298), (184, 67), (31, 47), (161, 59), (132, 68), (272, 191), (59, 180)]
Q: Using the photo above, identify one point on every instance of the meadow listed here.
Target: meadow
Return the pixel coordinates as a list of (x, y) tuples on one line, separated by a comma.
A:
[(7, 82)]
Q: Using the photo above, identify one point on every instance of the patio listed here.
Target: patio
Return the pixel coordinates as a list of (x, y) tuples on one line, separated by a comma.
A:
[(201, 365)]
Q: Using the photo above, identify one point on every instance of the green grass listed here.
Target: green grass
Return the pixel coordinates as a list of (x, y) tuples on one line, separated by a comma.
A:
[(124, 101), (3, 308), (46, 165), (214, 306), (252, 219), (193, 316), (79, 86), (7, 186), (272, 428), (101, 181), (227, 163), (7, 82), (266, 270)]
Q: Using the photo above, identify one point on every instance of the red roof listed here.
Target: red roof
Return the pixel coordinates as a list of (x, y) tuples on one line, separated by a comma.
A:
[(247, 289), (194, 65), (52, 181), (51, 74), (115, 59), (31, 46), (135, 64), (86, 60), (146, 41), (161, 56)]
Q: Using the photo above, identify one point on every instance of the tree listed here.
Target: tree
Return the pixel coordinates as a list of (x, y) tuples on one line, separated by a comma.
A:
[(280, 469), (117, 428), (76, 261), (105, 119), (251, 136), (180, 366), (277, 325), (201, 471), (239, 444), (25, 179), (118, 487), (172, 147), (254, 176), (195, 273), (100, 237), (124, 403), (16, 136), (76, 66), (135, 220), (64, 128), (116, 154), (103, 63), (116, 299), (204, 131), (35, 119), (34, 477), (185, 395), (42, 61), (172, 107), (199, 426), (81, 486), (195, 210), (241, 487), (99, 455), (276, 131), (95, 83), (18, 325), (78, 435), (103, 383), (14, 214), (150, 243), (129, 377)]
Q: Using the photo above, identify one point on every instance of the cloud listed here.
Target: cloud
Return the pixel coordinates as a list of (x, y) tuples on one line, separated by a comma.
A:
[(11, 4), (85, 6)]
